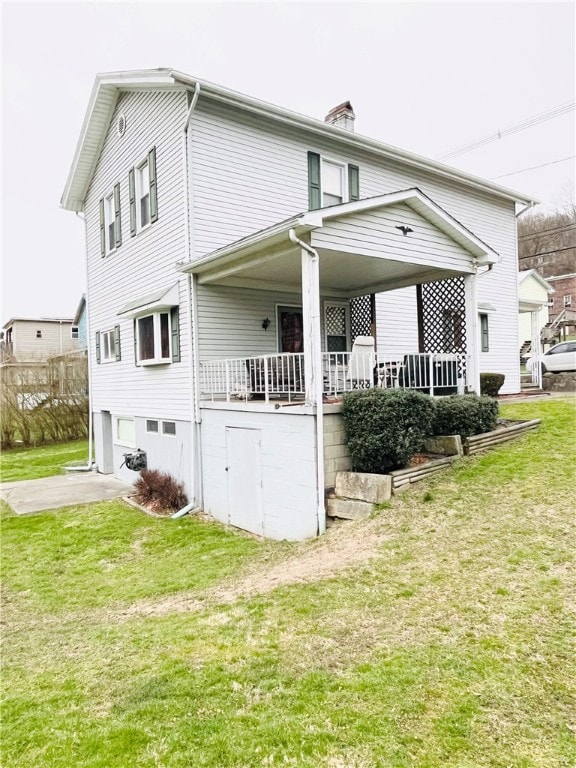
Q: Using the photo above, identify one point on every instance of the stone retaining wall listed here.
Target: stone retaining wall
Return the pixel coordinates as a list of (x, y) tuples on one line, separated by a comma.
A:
[(336, 454)]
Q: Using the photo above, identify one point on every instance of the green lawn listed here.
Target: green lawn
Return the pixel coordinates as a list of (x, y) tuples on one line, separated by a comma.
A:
[(48, 460), (132, 641)]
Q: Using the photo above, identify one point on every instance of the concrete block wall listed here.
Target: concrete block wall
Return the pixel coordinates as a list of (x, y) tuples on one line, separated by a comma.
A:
[(336, 455)]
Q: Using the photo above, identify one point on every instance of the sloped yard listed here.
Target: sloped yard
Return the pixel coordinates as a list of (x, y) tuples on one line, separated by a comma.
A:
[(436, 634)]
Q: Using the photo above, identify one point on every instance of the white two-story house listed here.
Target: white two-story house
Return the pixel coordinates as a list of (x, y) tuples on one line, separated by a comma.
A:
[(236, 251)]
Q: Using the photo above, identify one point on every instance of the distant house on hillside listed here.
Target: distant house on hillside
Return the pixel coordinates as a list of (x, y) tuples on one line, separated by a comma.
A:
[(562, 307)]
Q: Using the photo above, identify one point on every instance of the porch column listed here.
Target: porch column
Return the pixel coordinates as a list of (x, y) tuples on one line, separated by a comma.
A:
[(472, 335), (313, 361), (311, 331), (535, 348)]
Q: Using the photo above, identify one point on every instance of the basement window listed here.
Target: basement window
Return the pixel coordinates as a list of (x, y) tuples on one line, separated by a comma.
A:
[(152, 426), (169, 428)]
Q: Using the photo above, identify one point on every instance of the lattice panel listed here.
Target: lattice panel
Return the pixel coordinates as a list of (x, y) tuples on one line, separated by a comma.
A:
[(361, 316), (444, 316), (335, 321)]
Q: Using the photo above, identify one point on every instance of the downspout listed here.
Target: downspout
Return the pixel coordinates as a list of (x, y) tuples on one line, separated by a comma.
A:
[(321, 509), (90, 463), (192, 325)]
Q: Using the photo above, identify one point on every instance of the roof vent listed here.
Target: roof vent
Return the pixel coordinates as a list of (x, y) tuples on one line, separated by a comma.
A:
[(121, 125), (342, 116)]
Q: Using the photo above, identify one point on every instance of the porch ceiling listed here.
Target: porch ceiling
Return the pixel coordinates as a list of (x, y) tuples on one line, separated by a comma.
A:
[(362, 248), (343, 275)]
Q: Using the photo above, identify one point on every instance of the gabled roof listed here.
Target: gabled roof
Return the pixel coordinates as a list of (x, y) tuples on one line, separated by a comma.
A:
[(522, 276), (305, 222), (105, 94)]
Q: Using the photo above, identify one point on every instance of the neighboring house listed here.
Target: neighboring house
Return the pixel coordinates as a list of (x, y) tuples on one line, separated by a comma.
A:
[(562, 307), (80, 324), (35, 339), (534, 295), (236, 249)]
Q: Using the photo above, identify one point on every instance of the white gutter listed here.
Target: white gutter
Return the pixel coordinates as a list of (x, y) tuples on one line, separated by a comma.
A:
[(195, 418), (531, 204), (318, 389)]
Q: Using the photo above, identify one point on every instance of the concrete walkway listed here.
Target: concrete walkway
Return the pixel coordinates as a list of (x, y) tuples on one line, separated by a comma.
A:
[(27, 496)]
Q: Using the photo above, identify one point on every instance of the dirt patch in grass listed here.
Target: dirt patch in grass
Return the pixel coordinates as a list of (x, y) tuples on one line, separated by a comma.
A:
[(345, 546)]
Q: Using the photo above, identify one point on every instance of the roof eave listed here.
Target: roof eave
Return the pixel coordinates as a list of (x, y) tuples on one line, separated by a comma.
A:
[(364, 142), (111, 83)]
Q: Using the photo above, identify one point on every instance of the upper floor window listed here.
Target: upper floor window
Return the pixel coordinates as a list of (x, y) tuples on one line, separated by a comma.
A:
[(143, 196), (331, 182), (110, 222), (38, 334), (74, 332), (568, 301)]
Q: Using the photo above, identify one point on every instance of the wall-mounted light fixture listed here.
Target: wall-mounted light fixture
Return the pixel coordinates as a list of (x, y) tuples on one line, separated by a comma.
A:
[(266, 323)]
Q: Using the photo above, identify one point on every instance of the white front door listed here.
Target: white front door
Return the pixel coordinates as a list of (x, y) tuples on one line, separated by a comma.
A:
[(244, 468)]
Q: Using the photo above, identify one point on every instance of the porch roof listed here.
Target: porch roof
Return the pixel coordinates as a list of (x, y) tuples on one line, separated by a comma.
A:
[(376, 244)]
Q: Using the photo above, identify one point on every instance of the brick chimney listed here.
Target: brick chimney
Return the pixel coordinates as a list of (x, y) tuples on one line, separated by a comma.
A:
[(342, 116)]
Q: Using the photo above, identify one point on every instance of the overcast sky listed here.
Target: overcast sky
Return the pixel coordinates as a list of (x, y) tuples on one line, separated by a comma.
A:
[(428, 77)]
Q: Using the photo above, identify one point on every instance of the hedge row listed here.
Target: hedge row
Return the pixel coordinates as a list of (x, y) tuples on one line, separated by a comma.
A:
[(386, 427)]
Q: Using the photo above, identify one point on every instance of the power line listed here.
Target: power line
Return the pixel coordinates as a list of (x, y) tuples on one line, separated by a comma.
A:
[(543, 231), (528, 122), (533, 168), (547, 253)]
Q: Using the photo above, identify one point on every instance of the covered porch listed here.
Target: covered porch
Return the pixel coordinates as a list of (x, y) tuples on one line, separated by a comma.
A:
[(293, 305), (284, 324)]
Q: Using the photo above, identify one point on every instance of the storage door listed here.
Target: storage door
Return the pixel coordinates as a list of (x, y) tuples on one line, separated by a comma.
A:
[(244, 468)]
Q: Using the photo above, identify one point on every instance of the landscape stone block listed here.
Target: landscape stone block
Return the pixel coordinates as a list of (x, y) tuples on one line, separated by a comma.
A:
[(363, 486), (349, 509), (447, 445)]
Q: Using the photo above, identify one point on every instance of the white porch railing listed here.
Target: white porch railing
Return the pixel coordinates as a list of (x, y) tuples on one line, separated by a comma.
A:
[(282, 375)]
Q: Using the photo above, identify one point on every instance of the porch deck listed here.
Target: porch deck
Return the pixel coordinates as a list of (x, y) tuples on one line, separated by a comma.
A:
[(281, 376)]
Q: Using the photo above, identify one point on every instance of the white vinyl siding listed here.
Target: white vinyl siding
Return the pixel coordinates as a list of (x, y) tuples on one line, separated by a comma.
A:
[(374, 234), (230, 321), (145, 262)]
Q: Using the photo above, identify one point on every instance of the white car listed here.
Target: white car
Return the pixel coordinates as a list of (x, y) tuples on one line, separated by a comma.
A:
[(560, 357)]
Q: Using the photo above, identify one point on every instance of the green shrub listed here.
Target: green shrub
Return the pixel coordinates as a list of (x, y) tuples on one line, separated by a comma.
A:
[(490, 383), (385, 427), (464, 415)]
